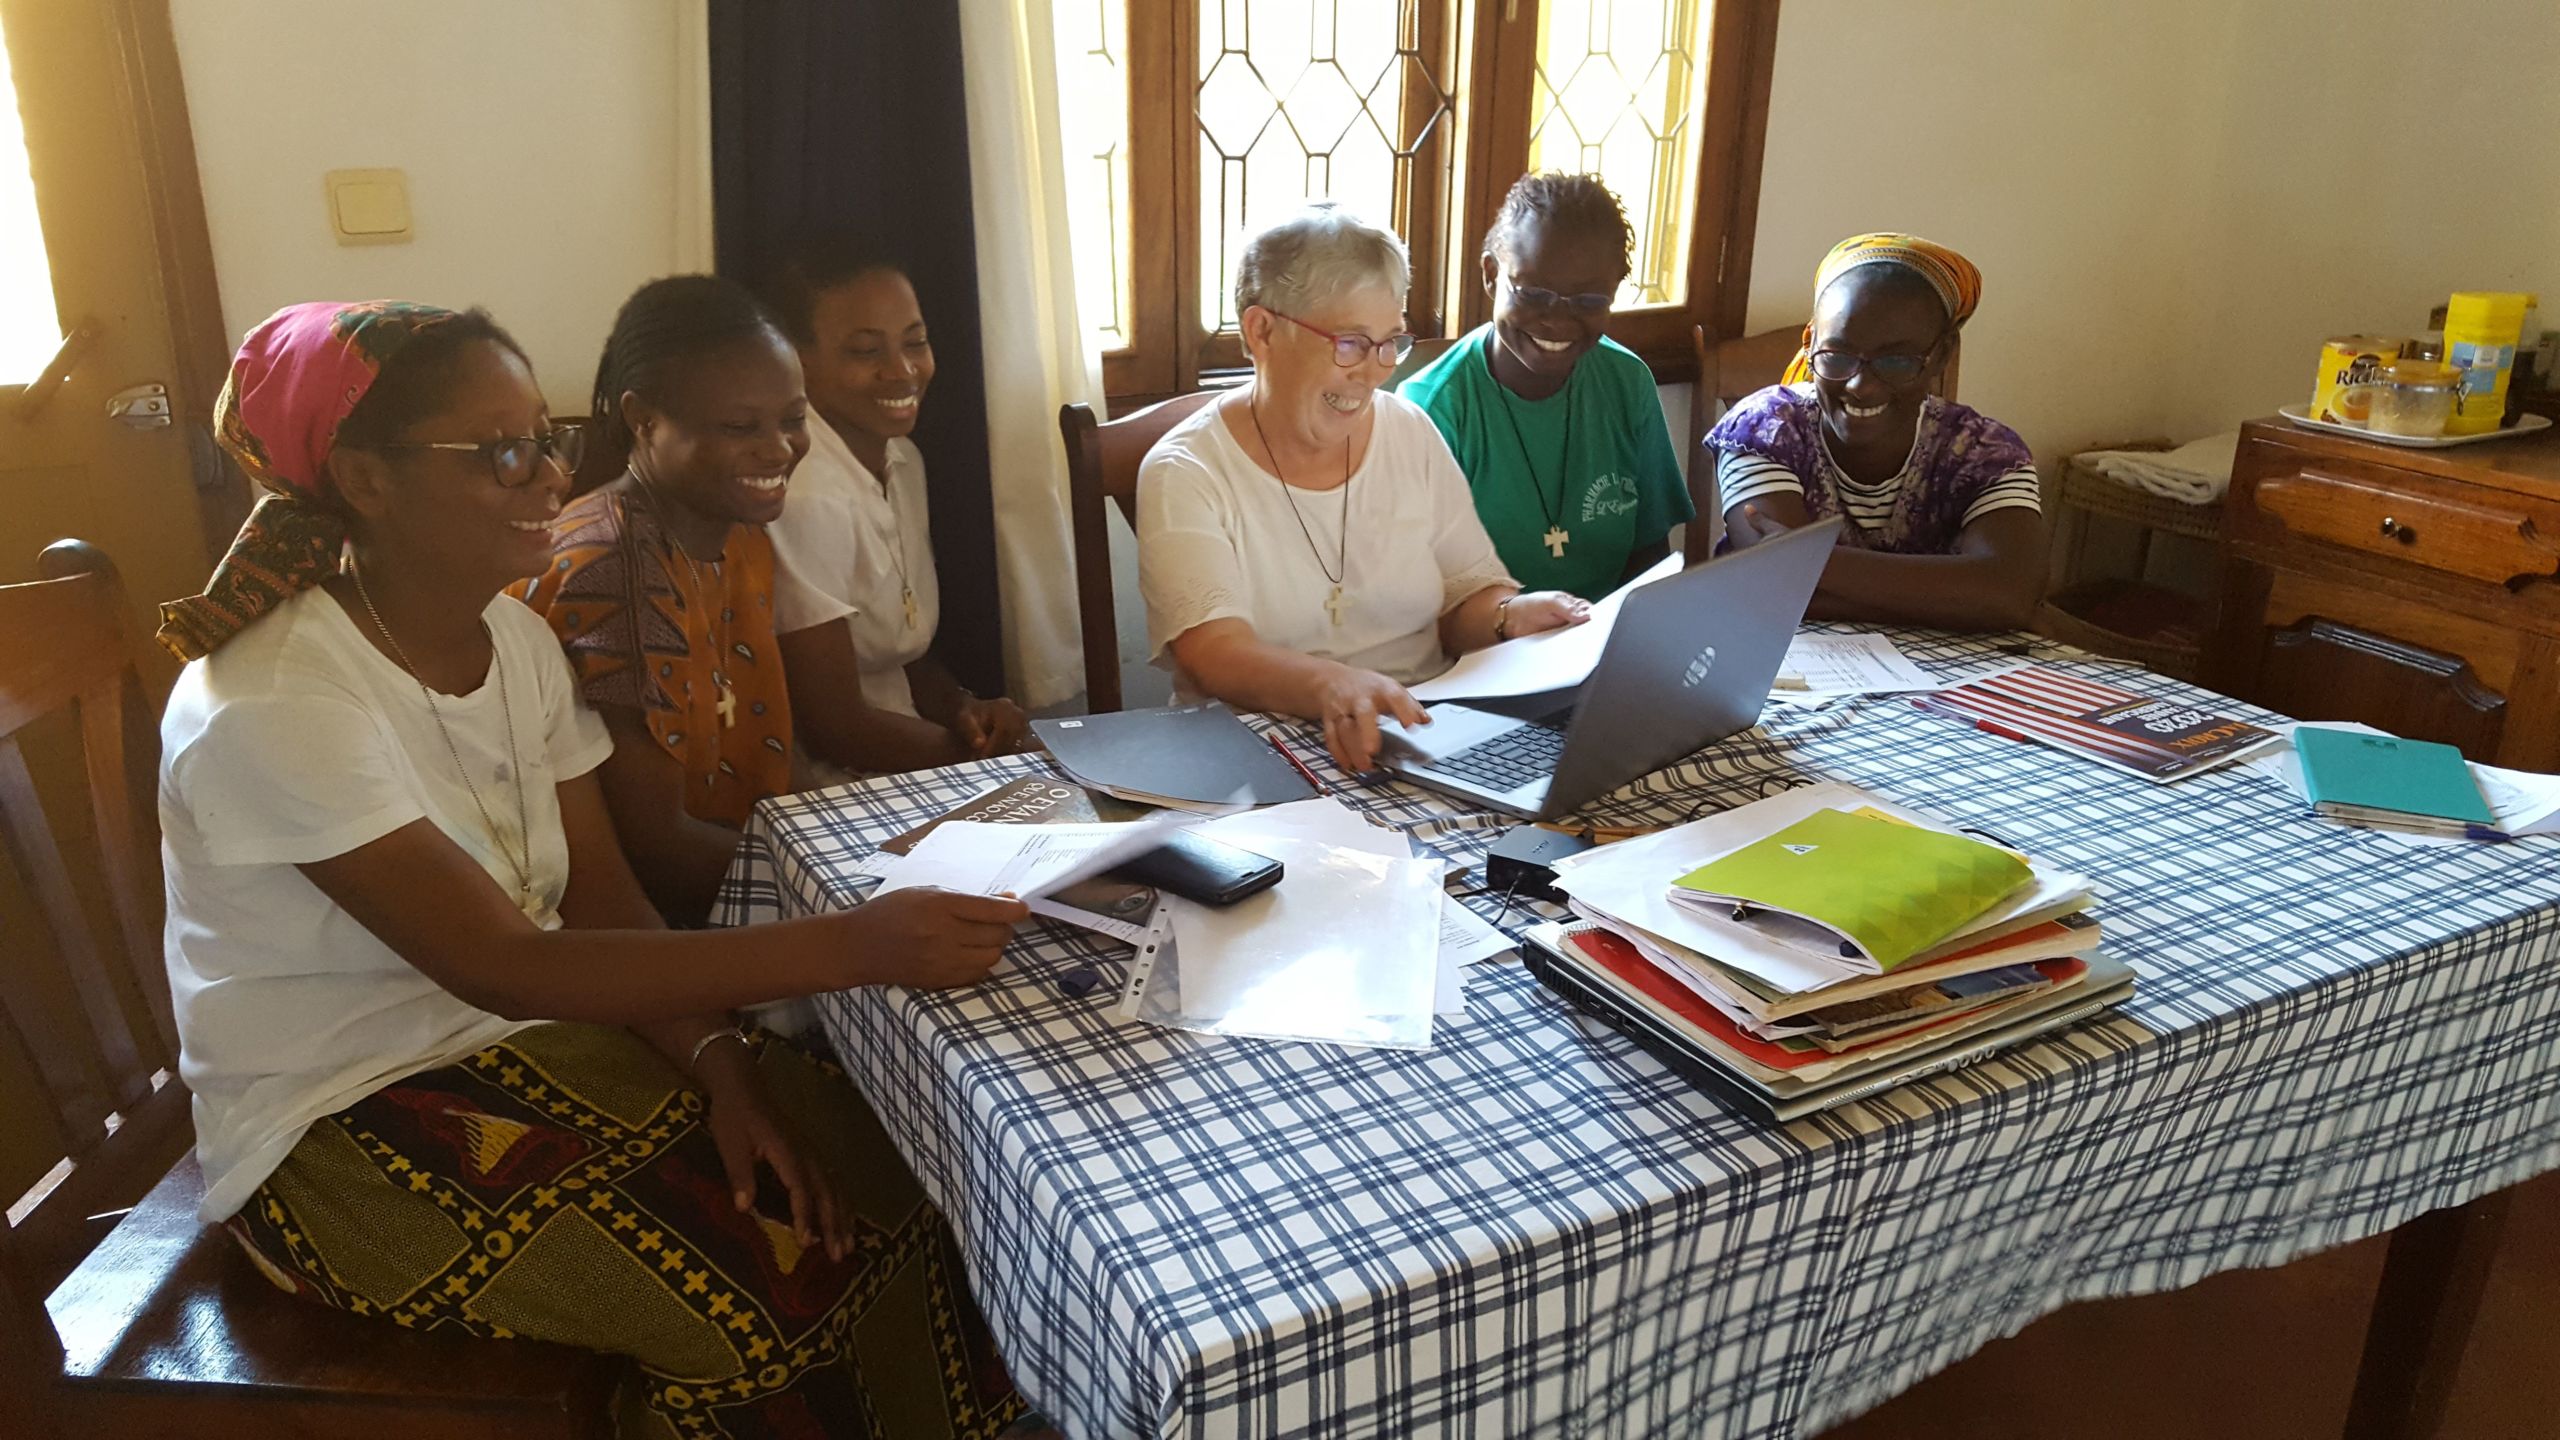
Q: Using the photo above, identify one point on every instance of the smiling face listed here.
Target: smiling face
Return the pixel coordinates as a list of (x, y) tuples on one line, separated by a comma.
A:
[(1549, 340), (442, 510), (1319, 402), (868, 359), (731, 424), (1876, 311)]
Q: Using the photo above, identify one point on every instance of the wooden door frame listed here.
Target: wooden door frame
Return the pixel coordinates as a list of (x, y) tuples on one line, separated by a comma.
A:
[(152, 95)]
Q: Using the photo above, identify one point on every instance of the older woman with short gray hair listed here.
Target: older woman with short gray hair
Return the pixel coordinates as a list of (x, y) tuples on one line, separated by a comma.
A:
[(1307, 544)]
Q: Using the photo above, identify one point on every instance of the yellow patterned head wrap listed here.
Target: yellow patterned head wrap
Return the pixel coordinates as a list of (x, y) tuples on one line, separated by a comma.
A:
[(1954, 277)]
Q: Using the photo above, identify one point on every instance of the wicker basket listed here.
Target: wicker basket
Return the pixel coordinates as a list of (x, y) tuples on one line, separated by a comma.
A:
[(2084, 488), (2175, 650)]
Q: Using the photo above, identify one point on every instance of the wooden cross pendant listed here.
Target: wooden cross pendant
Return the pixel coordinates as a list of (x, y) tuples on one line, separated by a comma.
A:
[(1333, 605), (1554, 540), (728, 706), (907, 597)]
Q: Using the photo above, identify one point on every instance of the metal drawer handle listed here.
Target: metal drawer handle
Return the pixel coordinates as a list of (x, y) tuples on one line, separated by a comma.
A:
[(2406, 535)]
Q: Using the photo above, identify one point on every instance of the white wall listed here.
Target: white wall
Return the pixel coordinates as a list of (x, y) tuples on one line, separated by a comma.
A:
[(2047, 141), (2171, 202), (541, 143), (2360, 161)]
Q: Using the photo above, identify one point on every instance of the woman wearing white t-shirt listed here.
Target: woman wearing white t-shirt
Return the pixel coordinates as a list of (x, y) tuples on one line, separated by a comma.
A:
[(854, 532), (1307, 544), (446, 1063)]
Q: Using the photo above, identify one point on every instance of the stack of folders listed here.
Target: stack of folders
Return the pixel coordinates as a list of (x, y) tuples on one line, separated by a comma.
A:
[(2383, 782), (1824, 944)]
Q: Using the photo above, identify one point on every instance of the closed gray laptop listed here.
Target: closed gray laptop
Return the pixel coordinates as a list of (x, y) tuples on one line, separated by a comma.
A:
[(1690, 662)]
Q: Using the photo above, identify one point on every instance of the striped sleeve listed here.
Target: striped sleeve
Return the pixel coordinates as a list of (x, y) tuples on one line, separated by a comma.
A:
[(2019, 489), (1742, 475)]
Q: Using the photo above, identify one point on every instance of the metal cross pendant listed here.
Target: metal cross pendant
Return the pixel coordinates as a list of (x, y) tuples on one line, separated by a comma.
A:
[(728, 706), (1554, 540), (907, 597), (1333, 606)]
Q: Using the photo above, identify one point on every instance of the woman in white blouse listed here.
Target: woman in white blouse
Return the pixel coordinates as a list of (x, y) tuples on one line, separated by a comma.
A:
[(1307, 544), (854, 532)]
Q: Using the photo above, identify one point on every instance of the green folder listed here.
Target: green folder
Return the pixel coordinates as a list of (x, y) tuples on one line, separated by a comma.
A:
[(2347, 771), (1890, 890)]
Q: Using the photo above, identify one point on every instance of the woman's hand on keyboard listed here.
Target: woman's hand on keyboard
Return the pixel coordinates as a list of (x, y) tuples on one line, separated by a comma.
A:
[(1349, 705)]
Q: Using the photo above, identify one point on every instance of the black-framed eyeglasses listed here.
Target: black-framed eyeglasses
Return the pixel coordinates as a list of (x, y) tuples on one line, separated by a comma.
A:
[(1841, 366), (1538, 297), (1350, 350), (513, 460)]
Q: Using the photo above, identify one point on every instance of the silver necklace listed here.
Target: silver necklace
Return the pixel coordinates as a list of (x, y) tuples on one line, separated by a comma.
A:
[(1340, 570), (534, 906)]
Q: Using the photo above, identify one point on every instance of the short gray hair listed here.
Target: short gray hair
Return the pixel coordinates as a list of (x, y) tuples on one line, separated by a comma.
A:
[(1322, 251)]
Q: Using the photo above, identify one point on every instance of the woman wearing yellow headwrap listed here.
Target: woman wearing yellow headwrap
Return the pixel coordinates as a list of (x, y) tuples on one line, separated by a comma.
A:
[(1944, 526)]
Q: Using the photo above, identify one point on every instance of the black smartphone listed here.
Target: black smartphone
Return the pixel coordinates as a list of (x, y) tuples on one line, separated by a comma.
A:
[(1207, 871)]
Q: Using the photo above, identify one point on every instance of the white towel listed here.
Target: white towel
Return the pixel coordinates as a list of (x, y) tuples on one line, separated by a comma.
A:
[(2195, 473)]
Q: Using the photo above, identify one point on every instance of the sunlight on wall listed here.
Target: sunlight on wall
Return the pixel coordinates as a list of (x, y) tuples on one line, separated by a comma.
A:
[(29, 328)]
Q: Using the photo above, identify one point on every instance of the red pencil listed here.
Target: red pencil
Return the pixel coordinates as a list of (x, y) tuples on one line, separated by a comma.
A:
[(1987, 728), (1296, 764)]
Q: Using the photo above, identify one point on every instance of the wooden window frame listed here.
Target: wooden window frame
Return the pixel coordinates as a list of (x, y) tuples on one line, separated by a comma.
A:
[(1494, 48)]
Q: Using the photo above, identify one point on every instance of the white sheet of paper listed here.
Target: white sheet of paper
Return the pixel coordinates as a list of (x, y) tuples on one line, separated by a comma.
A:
[(1549, 660), (1031, 861), (2524, 801), (1341, 950), (1862, 664), (1465, 939)]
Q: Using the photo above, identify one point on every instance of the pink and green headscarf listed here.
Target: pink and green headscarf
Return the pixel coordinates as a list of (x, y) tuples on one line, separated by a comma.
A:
[(297, 377)]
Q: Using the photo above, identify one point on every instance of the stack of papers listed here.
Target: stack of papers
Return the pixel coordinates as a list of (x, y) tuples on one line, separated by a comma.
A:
[(1359, 945), (1783, 1006), (1821, 666)]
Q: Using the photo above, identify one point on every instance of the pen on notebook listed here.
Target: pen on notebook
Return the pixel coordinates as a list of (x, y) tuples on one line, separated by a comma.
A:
[(1297, 764), (2003, 731)]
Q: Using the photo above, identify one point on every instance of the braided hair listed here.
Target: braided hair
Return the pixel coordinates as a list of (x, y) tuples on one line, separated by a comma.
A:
[(665, 323), (1578, 204), (814, 265)]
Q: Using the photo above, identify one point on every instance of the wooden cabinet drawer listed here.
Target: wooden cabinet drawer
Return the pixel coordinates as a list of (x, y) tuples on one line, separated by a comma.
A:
[(2473, 532)]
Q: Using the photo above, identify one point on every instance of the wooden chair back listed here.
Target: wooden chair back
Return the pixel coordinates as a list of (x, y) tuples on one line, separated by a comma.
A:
[(1730, 369), (1102, 470), (1424, 352), (86, 1006)]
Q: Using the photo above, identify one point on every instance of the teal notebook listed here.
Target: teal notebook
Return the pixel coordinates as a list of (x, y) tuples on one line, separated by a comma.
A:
[(2343, 770)]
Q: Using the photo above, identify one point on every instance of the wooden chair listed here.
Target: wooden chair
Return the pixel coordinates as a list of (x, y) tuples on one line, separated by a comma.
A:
[(1731, 369), (1424, 352), (120, 1314), (1102, 470)]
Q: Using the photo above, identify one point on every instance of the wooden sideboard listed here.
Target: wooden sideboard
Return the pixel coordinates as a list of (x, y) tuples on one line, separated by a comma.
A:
[(2414, 590)]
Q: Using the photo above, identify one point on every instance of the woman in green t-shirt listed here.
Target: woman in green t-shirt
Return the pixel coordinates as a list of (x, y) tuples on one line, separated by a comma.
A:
[(1558, 428)]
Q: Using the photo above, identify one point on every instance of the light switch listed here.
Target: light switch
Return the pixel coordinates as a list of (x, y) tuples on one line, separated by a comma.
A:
[(369, 207)]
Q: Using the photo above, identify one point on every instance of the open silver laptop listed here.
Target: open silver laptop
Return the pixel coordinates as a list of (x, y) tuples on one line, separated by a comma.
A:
[(1689, 663)]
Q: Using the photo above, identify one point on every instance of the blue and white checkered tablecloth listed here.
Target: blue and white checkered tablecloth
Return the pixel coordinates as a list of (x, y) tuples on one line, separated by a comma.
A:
[(1533, 1228)]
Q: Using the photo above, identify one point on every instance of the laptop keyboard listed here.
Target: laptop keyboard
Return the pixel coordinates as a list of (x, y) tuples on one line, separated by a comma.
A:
[(1509, 760)]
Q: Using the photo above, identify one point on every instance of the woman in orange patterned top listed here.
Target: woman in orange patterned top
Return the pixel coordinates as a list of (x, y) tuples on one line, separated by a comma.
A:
[(661, 584)]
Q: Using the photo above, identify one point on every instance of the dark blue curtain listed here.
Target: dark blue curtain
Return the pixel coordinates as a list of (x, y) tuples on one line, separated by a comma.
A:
[(836, 116)]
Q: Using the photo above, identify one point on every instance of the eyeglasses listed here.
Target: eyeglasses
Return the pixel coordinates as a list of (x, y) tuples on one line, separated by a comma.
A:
[(516, 459), (1350, 350), (1842, 366), (1536, 297)]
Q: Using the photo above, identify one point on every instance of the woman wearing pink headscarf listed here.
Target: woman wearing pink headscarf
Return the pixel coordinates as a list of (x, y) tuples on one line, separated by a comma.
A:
[(447, 1067)]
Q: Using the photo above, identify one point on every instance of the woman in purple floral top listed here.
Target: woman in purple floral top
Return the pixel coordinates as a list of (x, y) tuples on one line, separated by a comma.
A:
[(1943, 524)]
